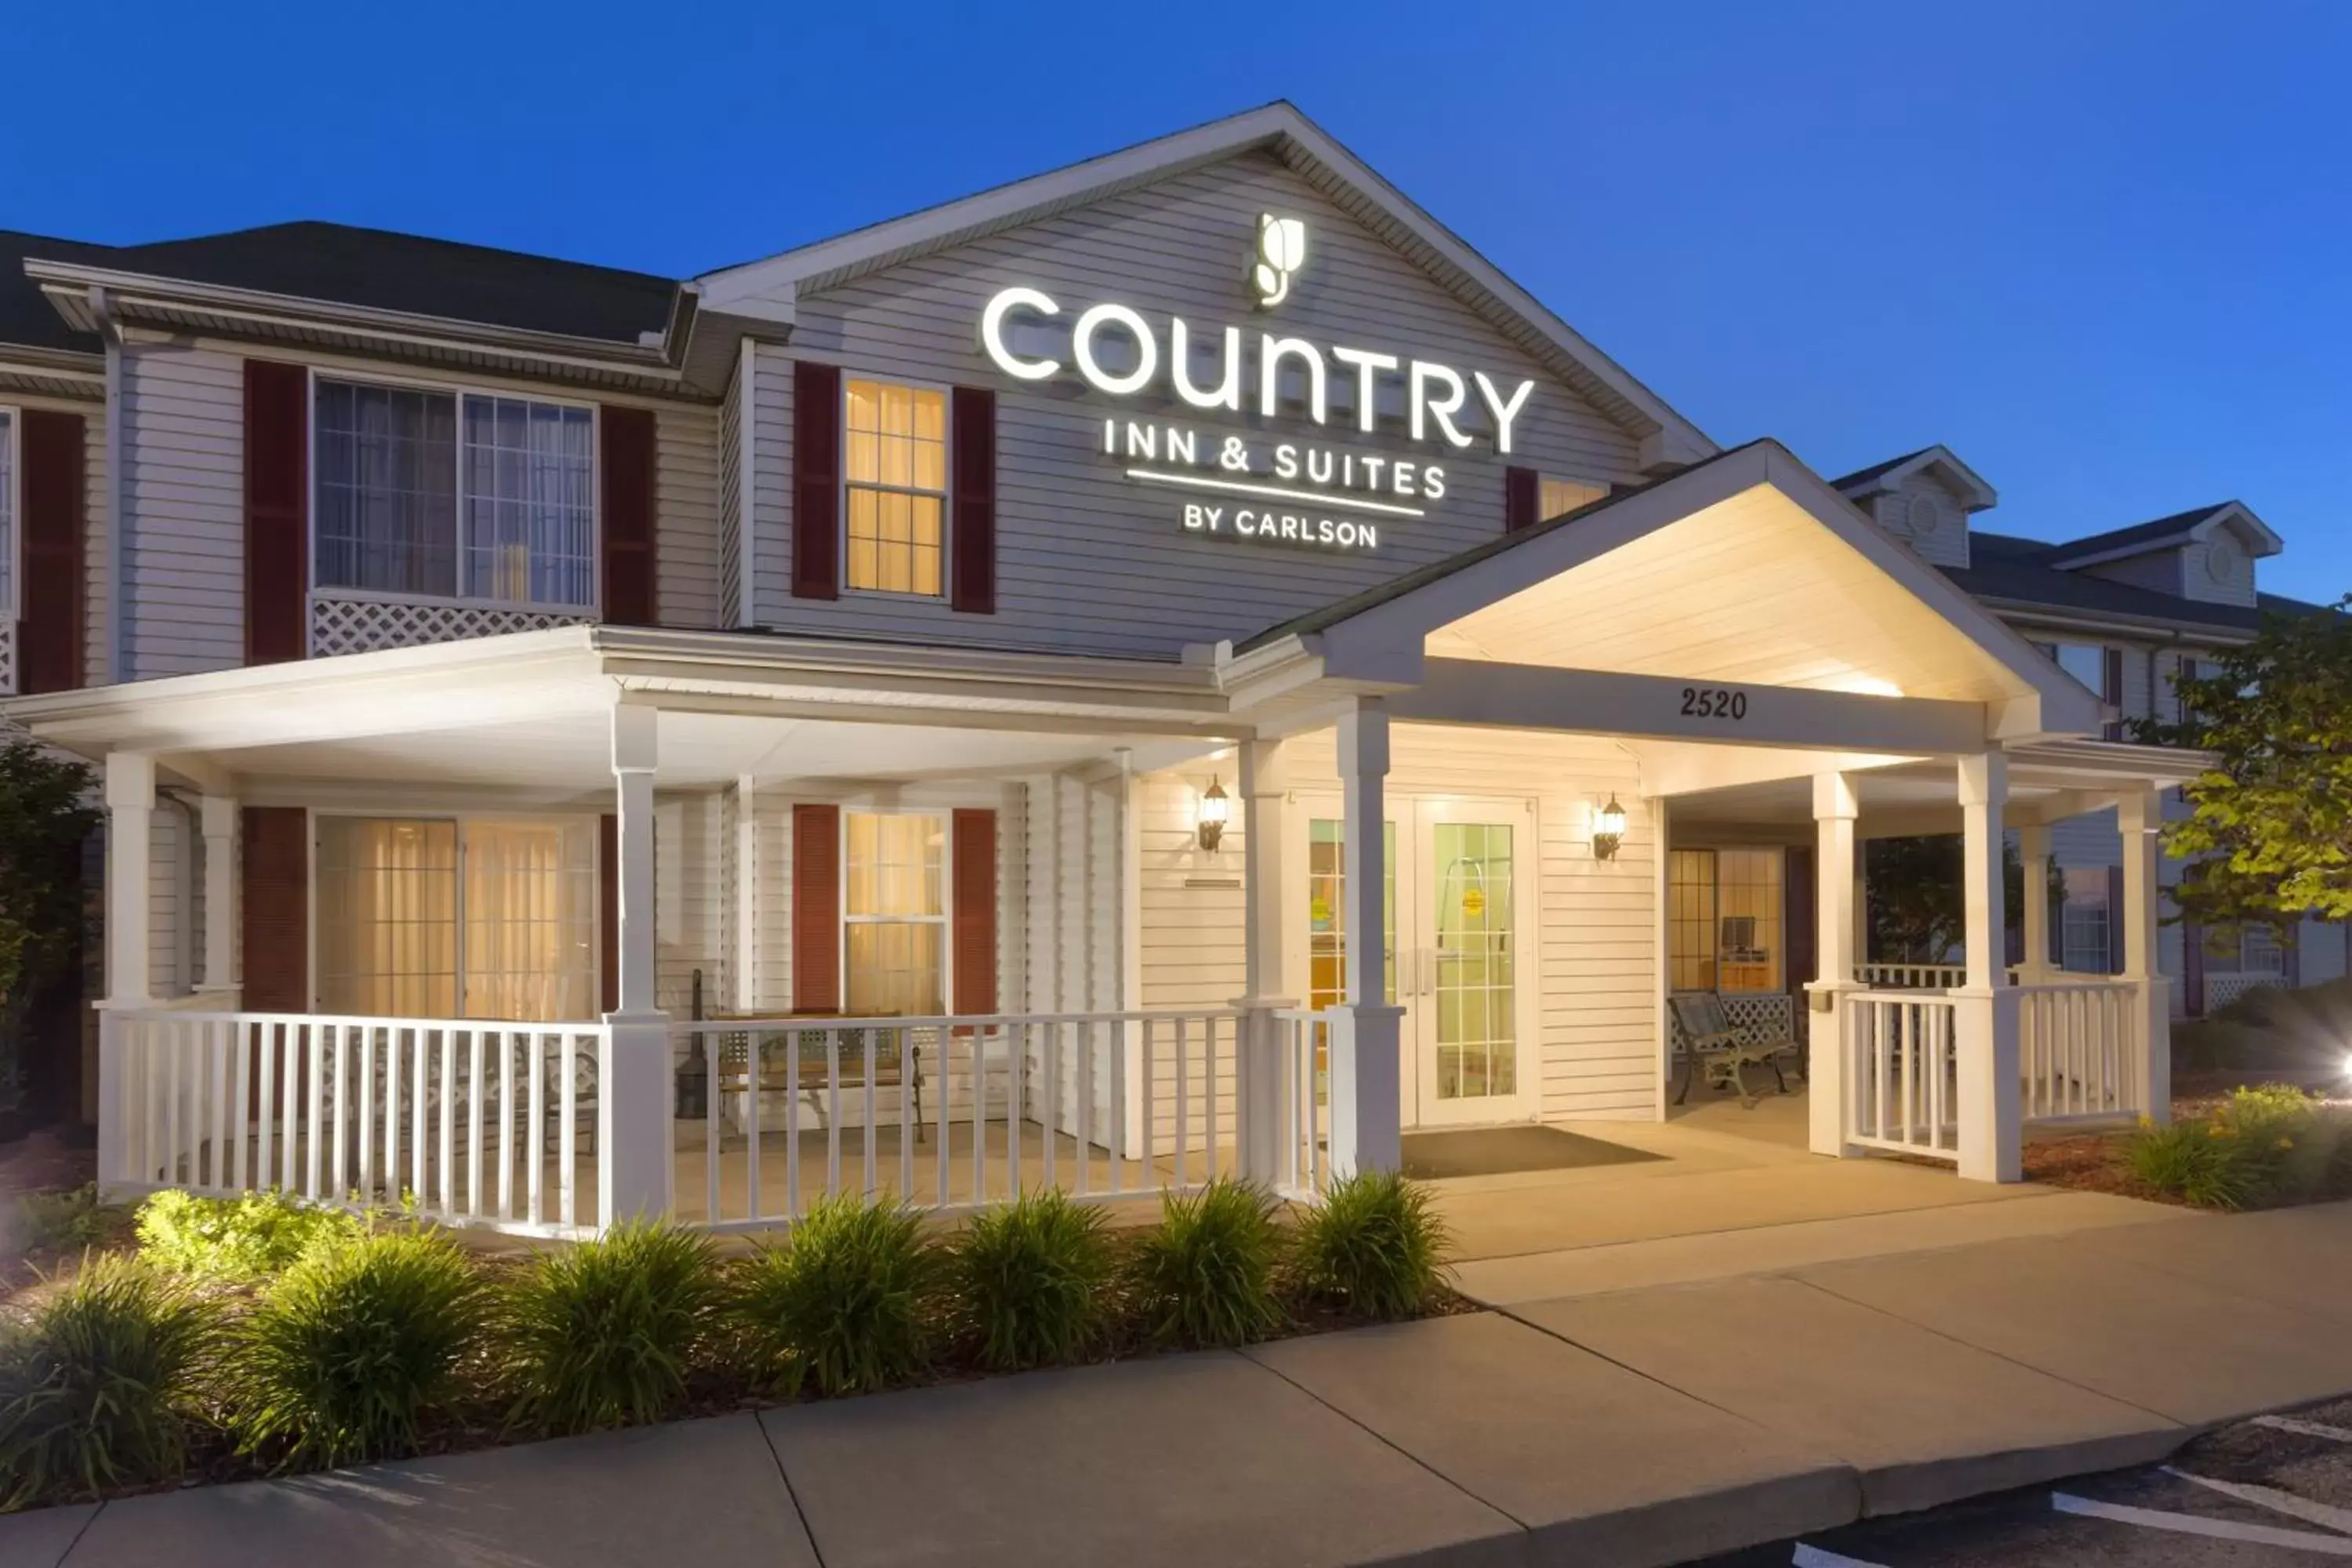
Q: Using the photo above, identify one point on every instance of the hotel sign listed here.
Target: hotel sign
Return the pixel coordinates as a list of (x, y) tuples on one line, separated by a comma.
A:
[(1317, 492)]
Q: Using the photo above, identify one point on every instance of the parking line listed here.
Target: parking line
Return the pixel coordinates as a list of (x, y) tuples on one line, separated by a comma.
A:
[(2192, 1524), (1814, 1557), (2273, 1498), (2308, 1428)]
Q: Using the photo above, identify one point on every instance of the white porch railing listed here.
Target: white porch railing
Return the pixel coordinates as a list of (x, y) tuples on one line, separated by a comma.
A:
[(953, 1113), (1912, 976), (1304, 1042), (1902, 1073), (474, 1122), (2082, 1050)]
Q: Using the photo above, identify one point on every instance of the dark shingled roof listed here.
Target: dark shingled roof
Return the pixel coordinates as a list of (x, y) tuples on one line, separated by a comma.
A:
[(27, 317), (2163, 531), (1864, 476), (386, 272), (2018, 570)]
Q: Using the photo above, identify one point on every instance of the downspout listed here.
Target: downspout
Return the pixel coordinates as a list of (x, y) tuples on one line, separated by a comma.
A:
[(118, 519)]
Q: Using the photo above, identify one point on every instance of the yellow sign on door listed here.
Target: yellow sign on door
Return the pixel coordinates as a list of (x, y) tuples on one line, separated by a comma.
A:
[(1473, 902)]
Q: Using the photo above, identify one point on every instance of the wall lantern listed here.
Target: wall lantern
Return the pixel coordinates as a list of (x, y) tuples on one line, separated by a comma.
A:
[(1608, 830), (1214, 811)]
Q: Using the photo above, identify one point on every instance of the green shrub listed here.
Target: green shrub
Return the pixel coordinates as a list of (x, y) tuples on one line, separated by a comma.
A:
[(1030, 1281), (352, 1346), (1375, 1247), (1204, 1275), (237, 1240), (2200, 1162), (92, 1380), (66, 1222), (605, 1332), (843, 1303)]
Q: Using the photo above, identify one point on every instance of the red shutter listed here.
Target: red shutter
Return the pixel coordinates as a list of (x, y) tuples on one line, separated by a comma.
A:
[(973, 873), (1522, 496), (2192, 969), (608, 912), (2291, 955), (816, 480), (276, 510), (2114, 919), (972, 527), (625, 465), (816, 909), (49, 599), (2111, 680), (275, 862)]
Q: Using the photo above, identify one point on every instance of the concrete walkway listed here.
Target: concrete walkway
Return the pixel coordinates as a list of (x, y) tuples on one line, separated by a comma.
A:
[(1806, 1379)]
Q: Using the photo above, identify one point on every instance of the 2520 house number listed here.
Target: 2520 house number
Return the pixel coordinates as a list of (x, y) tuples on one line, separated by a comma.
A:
[(1714, 702)]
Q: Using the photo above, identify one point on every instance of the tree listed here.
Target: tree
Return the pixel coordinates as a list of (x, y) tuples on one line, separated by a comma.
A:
[(2269, 836), (1917, 907), (45, 816)]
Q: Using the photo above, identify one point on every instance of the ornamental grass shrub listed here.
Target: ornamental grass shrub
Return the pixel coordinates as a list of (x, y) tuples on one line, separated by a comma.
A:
[(238, 1240), (2195, 1161), (1030, 1284), (95, 1380), (349, 1350), (606, 1332), (1375, 1248), (1204, 1277), (844, 1303), (65, 1222), (2265, 1146)]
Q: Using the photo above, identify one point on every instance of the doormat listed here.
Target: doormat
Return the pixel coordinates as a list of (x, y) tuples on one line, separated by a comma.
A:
[(1502, 1150)]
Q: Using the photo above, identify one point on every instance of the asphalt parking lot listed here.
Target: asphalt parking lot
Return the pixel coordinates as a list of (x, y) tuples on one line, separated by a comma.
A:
[(2276, 1489)]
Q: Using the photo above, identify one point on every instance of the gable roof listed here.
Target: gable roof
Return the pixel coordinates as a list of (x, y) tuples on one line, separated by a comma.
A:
[(1976, 494), (766, 290), (2011, 572), (378, 269), (2180, 528)]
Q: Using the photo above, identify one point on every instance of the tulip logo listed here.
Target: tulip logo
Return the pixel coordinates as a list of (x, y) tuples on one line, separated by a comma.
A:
[(1281, 251)]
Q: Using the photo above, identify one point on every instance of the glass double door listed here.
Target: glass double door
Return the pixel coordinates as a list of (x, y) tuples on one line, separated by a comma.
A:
[(1459, 904)]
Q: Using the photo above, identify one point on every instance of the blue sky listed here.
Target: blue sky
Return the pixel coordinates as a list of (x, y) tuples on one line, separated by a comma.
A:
[(2098, 246)]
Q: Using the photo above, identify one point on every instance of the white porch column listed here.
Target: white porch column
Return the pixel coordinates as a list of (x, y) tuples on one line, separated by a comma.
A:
[(1367, 1112), (130, 817), (633, 1149), (2033, 849), (219, 818), (1264, 783), (1837, 934), (1985, 1009), (2140, 815)]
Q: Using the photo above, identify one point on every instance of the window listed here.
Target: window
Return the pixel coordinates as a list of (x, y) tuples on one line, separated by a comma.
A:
[(896, 477), (894, 940), (1557, 496), (456, 495), (2084, 945), (1723, 919), (7, 513), (1327, 912), (439, 918), (2086, 662), (2250, 949)]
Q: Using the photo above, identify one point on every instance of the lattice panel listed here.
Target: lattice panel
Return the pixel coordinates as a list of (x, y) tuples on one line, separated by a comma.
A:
[(1764, 1019), (7, 657), (2221, 990), (362, 625)]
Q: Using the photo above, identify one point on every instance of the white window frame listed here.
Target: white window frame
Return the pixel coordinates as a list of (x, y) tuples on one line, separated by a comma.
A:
[(458, 819), (460, 390), (946, 492), (1779, 954), (13, 598), (944, 919)]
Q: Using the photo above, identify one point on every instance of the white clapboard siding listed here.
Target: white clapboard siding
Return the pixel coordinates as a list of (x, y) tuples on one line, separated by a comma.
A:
[(1086, 559), (730, 504), (1948, 543), (183, 420), (688, 846), (686, 516)]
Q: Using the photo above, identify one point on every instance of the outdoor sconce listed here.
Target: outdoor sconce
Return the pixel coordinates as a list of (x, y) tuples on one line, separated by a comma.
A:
[(1608, 830), (1215, 810)]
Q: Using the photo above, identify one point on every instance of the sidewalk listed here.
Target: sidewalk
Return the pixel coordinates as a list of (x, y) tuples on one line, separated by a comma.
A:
[(1793, 1391)]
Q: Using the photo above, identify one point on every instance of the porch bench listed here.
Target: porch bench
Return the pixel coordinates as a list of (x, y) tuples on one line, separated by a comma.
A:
[(735, 1082), (1712, 1042)]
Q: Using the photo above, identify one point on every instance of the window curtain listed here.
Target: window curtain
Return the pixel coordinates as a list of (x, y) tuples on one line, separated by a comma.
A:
[(387, 489), (387, 923), (529, 921), (530, 531)]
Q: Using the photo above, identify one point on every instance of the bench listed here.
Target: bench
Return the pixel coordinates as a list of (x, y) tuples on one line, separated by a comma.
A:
[(776, 1075), (1724, 1050)]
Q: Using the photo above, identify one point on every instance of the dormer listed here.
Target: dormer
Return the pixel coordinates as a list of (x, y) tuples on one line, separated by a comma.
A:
[(2207, 554), (1924, 498)]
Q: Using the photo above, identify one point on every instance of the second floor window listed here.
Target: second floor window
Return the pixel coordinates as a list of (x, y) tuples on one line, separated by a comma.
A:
[(454, 495), (1556, 497), (896, 483)]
